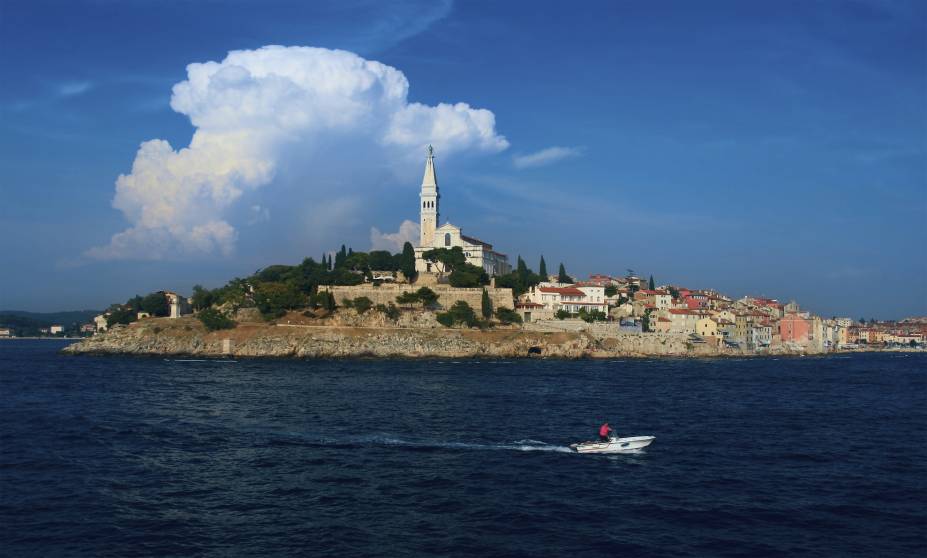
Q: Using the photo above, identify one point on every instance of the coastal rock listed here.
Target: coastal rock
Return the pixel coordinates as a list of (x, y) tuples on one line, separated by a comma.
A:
[(372, 334)]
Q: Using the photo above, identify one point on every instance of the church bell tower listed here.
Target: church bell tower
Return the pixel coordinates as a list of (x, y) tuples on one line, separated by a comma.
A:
[(428, 204)]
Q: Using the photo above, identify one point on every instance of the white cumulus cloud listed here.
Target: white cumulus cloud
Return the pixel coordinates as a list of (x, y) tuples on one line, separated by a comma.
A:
[(258, 110), (546, 156), (409, 231)]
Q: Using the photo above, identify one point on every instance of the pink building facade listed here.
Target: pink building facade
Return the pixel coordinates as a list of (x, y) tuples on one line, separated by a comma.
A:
[(793, 327)]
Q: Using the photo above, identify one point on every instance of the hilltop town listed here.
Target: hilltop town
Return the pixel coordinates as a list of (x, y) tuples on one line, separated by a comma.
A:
[(452, 282)]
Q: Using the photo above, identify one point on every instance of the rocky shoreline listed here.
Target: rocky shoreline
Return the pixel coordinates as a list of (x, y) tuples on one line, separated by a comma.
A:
[(415, 335)]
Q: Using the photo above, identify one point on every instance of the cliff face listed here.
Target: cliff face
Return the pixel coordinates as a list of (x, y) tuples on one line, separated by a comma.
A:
[(349, 335)]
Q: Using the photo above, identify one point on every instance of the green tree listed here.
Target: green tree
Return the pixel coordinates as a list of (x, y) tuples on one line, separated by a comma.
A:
[(381, 260), (327, 301), (202, 298), (340, 257), (362, 304), (507, 316), (407, 298), (408, 261), (651, 284), (427, 297), (645, 322), (542, 269), (274, 299), (122, 314), (391, 311), (357, 261), (611, 290), (459, 313), (673, 291), (449, 259), (486, 305), (562, 276), (522, 271), (467, 276), (562, 314), (215, 320), (155, 304)]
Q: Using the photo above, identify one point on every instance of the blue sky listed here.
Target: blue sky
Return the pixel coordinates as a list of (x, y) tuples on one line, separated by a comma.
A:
[(773, 148)]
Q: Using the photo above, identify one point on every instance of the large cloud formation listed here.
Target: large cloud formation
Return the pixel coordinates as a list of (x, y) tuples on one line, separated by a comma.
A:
[(248, 110)]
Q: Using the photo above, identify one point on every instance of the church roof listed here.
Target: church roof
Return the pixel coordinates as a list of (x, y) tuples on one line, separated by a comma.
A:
[(472, 240)]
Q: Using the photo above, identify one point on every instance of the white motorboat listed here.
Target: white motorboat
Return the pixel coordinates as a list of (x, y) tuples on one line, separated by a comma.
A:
[(613, 445)]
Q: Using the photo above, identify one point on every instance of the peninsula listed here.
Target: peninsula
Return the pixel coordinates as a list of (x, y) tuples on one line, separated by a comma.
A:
[(454, 295)]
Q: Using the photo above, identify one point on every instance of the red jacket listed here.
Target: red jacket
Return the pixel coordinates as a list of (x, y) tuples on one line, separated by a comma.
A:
[(604, 429)]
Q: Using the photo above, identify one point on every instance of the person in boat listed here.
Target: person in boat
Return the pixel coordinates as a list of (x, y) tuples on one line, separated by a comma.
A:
[(604, 431)]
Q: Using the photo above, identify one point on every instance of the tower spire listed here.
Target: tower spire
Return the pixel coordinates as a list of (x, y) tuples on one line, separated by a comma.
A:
[(430, 180), (428, 201)]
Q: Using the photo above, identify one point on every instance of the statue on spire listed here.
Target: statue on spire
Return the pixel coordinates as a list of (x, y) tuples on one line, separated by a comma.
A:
[(431, 151)]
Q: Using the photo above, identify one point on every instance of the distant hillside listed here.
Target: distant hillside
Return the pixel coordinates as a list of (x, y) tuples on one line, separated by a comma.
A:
[(50, 318)]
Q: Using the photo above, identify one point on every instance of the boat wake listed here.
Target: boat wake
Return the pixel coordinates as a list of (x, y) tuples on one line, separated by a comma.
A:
[(420, 445)]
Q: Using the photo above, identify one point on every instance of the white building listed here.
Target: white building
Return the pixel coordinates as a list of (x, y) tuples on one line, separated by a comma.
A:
[(477, 252), (569, 298), (56, 329), (180, 305), (100, 322)]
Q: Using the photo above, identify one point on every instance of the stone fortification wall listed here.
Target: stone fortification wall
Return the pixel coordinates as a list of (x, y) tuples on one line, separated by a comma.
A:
[(447, 295)]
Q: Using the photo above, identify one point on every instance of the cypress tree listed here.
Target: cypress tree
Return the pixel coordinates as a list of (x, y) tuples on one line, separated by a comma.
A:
[(562, 276), (522, 271), (407, 262), (486, 305), (542, 269), (652, 287), (341, 256)]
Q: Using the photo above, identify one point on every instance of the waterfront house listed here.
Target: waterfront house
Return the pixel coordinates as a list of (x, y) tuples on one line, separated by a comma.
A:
[(795, 328)]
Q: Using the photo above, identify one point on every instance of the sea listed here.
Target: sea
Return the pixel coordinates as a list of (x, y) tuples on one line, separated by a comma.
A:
[(127, 456)]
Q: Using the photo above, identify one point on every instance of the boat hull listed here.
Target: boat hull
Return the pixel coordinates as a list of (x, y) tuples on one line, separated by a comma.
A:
[(614, 445)]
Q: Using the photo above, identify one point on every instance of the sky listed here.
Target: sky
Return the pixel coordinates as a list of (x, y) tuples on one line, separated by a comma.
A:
[(769, 148)]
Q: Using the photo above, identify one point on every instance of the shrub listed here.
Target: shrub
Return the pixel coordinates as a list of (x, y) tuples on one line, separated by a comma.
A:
[(407, 298), (156, 329), (459, 313), (392, 312), (562, 314), (507, 316), (362, 304), (215, 320), (274, 299), (427, 297), (347, 303)]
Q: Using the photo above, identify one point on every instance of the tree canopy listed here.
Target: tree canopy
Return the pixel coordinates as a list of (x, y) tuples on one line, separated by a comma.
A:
[(448, 258)]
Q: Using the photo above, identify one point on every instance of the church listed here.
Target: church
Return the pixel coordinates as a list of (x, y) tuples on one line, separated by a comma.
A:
[(477, 252)]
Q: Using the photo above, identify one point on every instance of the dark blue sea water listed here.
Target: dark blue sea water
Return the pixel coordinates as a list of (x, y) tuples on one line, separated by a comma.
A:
[(122, 456)]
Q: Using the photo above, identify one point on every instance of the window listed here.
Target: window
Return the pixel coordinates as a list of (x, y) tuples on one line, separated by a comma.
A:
[(447, 239)]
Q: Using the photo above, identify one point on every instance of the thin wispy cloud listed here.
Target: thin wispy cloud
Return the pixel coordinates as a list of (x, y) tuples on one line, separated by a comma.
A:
[(547, 156), (72, 88)]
